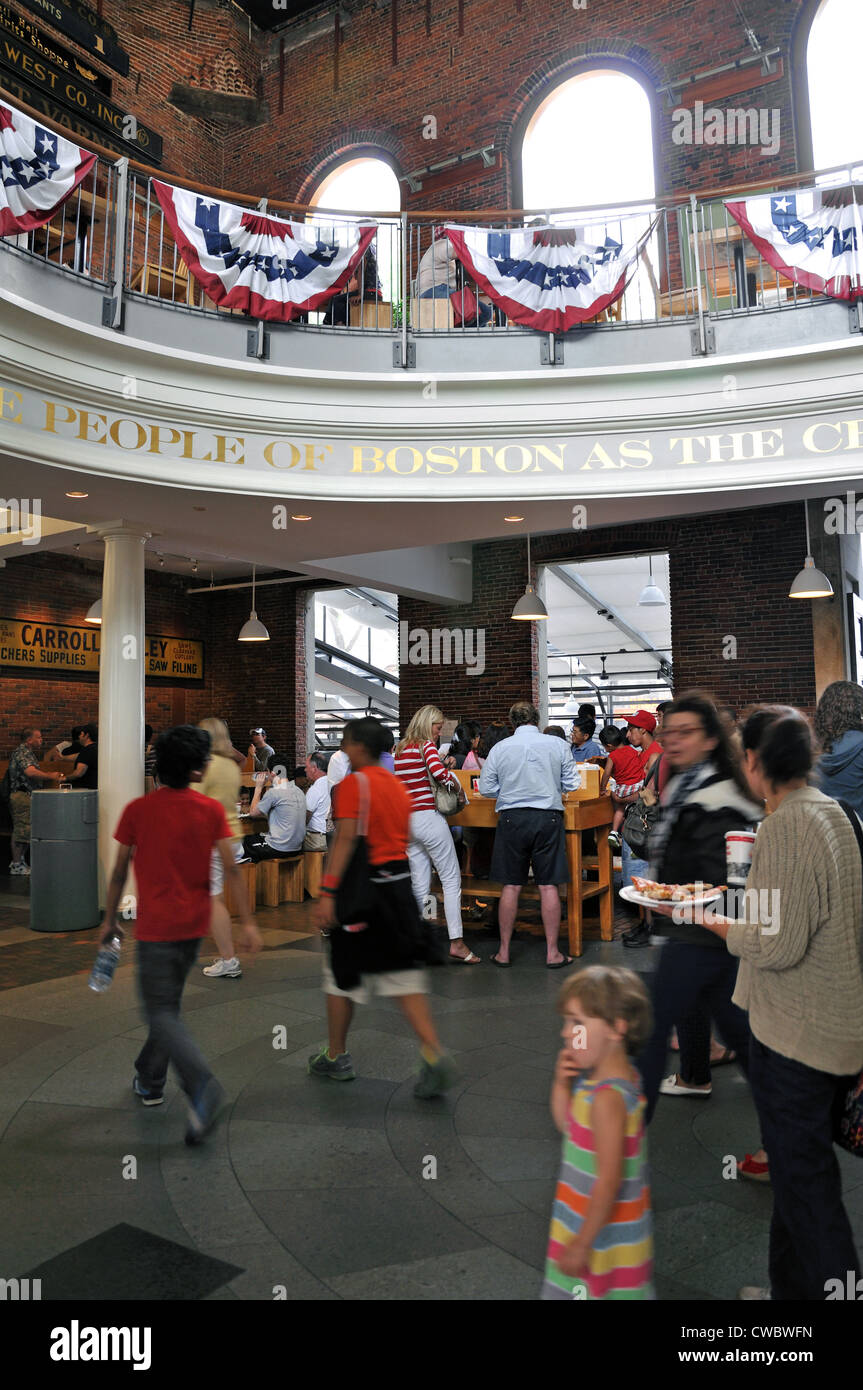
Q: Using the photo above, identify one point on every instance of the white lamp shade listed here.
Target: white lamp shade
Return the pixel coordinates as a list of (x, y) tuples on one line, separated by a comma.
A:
[(652, 597), (253, 630), (810, 583), (529, 608), (571, 707), (94, 612)]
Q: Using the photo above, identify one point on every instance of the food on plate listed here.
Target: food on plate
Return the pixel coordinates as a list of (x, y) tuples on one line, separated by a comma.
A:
[(673, 892)]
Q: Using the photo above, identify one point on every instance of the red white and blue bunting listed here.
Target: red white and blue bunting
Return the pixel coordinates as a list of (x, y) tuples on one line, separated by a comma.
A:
[(243, 260), (38, 171), (816, 246), (548, 278)]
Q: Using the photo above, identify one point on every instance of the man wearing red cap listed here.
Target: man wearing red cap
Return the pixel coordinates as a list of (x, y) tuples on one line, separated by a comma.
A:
[(640, 731)]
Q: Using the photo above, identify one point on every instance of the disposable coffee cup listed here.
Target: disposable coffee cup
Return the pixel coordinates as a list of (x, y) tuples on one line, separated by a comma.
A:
[(738, 856)]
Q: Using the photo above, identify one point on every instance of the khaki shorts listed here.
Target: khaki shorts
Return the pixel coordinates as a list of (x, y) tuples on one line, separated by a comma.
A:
[(19, 805), (390, 984)]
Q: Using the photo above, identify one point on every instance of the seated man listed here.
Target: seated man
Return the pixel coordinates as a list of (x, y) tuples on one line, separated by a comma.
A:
[(282, 802), (318, 810)]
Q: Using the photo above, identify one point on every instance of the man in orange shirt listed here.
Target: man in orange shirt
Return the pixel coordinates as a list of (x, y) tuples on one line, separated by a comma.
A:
[(385, 951)]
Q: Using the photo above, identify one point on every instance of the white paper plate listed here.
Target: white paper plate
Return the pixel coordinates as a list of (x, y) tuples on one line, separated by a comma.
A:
[(631, 895)]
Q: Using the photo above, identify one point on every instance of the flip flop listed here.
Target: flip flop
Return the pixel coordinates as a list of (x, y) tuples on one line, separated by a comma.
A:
[(504, 964), (469, 959), (567, 960), (723, 1060)]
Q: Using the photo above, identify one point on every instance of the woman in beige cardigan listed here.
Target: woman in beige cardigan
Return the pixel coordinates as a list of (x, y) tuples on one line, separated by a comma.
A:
[(800, 944)]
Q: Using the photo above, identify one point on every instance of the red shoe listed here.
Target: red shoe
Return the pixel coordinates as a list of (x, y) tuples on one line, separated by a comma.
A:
[(758, 1172)]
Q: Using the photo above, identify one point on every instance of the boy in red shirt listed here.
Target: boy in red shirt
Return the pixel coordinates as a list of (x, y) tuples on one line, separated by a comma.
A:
[(623, 776), (172, 833), (385, 954)]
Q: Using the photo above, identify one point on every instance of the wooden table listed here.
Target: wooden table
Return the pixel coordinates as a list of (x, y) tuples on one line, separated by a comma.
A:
[(580, 813)]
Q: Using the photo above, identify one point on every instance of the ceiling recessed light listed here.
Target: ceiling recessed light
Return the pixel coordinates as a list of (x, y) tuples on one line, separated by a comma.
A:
[(77, 494), (513, 518), (301, 518)]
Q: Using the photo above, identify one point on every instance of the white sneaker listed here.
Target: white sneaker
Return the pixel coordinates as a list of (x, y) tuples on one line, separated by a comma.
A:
[(24, 870), (231, 969), (673, 1086), (751, 1293)]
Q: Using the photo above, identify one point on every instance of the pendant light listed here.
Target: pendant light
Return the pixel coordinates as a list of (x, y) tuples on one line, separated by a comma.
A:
[(253, 630), (810, 582), (651, 595), (529, 608), (571, 706), (94, 613)]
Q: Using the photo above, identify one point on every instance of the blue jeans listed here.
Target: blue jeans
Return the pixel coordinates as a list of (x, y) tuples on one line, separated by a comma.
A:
[(163, 967), (810, 1235), (688, 978), (631, 865)]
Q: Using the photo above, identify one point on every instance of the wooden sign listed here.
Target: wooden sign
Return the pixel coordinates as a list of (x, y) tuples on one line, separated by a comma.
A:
[(88, 103), (40, 647), (43, 48), (81, 24)]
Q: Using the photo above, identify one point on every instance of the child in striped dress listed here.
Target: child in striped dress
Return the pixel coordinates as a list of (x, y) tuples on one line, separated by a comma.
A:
[(601, 1238)]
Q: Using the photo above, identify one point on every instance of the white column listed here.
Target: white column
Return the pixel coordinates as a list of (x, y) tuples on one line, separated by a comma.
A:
[(121, 679)]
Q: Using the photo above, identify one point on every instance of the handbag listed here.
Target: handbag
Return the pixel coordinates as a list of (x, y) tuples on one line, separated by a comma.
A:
[(446, 801), (464, 306), (641, 816), (848, 1113), (354, 899)]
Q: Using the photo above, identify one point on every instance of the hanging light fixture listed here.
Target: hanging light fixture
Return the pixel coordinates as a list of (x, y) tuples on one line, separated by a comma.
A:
[(651, 595), (94, 612), (529, 608), (810, 582), (571, 706), (253, 630)]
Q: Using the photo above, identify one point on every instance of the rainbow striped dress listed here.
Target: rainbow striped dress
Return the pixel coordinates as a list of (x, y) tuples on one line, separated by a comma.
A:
[(621, 1261)]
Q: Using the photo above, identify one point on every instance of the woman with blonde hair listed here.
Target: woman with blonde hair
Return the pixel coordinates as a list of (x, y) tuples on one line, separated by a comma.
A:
[(221, 781), (419, 767)]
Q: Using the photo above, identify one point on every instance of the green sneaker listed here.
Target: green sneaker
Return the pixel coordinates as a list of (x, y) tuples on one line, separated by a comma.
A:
[(340, 1069), (435, 1078)]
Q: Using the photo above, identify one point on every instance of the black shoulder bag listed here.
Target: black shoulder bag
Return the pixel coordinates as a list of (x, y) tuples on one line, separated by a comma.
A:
[(640, 818)]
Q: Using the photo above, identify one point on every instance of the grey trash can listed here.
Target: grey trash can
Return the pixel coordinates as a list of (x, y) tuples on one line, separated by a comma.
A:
[(64, 861)]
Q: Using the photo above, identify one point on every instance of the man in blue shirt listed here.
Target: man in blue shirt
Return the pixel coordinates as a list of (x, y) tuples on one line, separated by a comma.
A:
[(526, 774), (584, 745)]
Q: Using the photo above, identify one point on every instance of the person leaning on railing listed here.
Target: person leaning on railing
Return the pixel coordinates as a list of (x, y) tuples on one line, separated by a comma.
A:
[(363, 285)]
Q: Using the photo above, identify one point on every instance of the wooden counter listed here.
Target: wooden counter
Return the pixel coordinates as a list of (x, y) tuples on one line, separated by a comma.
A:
[(582, 811)]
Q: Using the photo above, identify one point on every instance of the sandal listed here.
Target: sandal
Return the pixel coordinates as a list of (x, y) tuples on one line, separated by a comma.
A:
[(469, 959), (724, 1058), (558, 965), (504, 964)]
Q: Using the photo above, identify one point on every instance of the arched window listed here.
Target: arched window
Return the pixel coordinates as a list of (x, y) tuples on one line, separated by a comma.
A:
[(366, 184), (590, 143), (832, 67)]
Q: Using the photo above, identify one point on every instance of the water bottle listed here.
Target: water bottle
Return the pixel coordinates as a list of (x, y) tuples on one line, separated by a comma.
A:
[(105, 964)]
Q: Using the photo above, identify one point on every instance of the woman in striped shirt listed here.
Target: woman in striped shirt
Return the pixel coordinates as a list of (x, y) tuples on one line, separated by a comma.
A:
[(431, 840)]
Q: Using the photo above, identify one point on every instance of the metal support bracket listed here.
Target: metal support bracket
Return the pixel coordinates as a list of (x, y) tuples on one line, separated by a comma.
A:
[(856, 317), (409, 351), (258, 342), (112, 313), (709, 341), (550, 351)]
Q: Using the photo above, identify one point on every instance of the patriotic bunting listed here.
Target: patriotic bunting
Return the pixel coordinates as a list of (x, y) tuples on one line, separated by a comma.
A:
[(813, 244), (547, 278), (243, 260), (38, 171)]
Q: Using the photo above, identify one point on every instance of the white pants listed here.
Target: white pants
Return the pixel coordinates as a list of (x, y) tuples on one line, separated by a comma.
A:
[(431, 843)]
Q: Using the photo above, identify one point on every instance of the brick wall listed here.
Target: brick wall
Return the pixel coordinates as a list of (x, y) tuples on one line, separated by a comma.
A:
[(729, 576)]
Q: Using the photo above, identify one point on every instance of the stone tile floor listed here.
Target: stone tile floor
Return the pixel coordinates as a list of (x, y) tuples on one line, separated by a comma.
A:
[(355, 1191)]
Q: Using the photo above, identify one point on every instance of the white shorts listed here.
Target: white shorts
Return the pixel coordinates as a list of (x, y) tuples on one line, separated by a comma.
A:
[(217, 869), (390, 984)]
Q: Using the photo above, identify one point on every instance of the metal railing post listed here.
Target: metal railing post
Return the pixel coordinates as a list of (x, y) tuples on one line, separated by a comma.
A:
[(404, 288), (702, 323), (114, 315)]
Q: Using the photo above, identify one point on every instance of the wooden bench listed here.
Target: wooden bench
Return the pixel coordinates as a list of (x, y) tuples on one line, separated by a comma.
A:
[(314, 869), (249, 884), (281, 880)]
